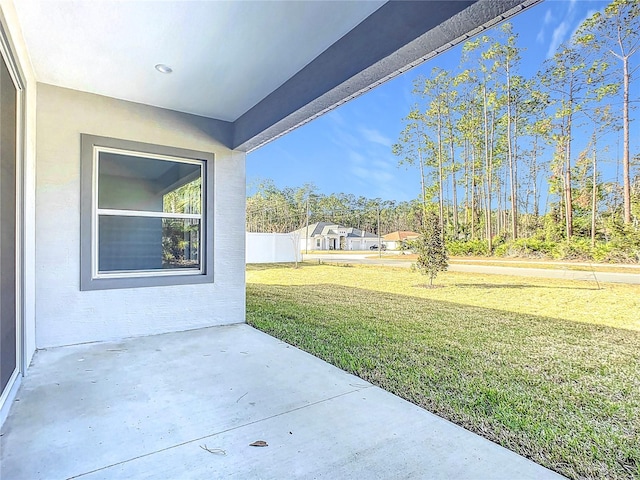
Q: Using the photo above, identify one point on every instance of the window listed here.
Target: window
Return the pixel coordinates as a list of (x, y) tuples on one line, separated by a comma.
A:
[(144, 215), (318, 243)]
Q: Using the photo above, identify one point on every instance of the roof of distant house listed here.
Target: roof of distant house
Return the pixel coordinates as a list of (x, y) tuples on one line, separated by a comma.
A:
[(313, 229), (400, 235), (326, 228)]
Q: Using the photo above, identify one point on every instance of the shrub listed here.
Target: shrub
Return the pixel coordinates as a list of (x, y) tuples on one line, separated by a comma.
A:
[(616, 252), (576, 249), (525, 247), (553, 230), (623, 247), (465, 248), (604, 252)]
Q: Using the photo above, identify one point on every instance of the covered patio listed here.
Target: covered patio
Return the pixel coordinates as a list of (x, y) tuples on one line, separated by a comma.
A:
[(123, 349), (188, 404)]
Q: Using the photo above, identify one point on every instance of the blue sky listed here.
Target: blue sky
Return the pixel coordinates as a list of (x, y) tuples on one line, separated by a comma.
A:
[(348, 150)]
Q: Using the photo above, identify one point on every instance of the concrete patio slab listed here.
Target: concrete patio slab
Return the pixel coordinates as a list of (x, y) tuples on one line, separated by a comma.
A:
[(148, 407)]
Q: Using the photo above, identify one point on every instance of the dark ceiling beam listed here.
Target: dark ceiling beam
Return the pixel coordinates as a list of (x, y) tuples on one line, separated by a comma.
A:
[(396, 37)]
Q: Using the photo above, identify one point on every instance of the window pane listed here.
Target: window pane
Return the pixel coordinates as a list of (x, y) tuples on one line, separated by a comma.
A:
[(185, 199), (127, 182), (143, 243), (180, 243)]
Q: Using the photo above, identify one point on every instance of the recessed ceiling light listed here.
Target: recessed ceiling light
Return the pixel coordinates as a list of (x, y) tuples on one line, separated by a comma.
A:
[(162, 68)]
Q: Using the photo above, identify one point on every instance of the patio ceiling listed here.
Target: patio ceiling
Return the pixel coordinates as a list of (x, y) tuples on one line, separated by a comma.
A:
[(264, 68)]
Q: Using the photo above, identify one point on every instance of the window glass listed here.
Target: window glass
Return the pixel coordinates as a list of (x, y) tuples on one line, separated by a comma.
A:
[(180, 243), (149, 213), (146, 243), (128, 182), (184, 199)]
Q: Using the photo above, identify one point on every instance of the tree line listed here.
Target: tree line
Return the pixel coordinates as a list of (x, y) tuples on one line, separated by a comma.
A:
[(509, 163), (491, 145), (274, 210)]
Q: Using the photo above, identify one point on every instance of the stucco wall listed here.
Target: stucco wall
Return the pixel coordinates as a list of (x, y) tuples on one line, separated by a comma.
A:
[(64, 314)]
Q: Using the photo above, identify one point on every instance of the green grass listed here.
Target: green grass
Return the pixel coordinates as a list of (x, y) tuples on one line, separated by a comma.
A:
[(519, 263), (561, 390), (527, 263)]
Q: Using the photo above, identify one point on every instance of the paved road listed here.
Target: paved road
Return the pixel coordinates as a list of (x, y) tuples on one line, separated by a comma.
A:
[(566, 274)]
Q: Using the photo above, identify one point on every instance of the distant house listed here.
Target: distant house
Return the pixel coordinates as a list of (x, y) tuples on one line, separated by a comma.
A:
[(331, 236), (395, 240)]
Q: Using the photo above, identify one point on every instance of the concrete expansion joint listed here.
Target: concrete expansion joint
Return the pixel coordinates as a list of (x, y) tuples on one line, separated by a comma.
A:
[(357, 388)]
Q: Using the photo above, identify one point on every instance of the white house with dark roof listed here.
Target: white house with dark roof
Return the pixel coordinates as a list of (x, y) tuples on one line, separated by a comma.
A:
[(332, 236)]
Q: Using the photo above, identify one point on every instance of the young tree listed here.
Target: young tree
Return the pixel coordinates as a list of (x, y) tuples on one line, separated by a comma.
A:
[(430, 247)]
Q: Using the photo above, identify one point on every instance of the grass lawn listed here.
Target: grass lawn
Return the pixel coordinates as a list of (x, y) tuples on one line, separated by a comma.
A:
[(595, 267), (547, 368), (528, 263)]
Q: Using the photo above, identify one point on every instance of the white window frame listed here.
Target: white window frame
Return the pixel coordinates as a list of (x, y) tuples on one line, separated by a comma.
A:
[(97, 212), (93, 279)]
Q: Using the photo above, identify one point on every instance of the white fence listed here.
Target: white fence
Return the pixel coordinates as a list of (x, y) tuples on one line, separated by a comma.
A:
[(271, 247)]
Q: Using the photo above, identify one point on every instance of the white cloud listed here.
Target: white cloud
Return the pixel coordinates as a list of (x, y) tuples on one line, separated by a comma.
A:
[(559, 36), (381, 164), (336, 117), (374, 136), (344, 139), (372, 175), (568, 27), (356, 157), (548, 18)]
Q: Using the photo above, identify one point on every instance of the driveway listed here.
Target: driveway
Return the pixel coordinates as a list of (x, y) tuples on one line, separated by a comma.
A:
[(478, 267), (188, 405)]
